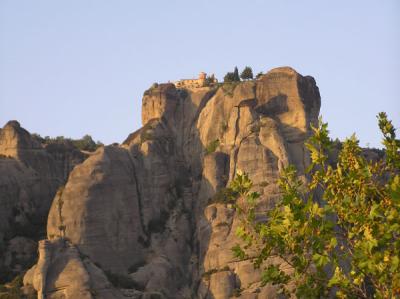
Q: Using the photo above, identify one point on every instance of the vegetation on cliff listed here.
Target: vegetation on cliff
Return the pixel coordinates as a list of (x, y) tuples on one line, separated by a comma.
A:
[(86, 143), (247, 73), (336, 234), (12, 290)]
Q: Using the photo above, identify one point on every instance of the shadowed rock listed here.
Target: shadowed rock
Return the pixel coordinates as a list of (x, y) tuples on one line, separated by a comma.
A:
[(30, 174)]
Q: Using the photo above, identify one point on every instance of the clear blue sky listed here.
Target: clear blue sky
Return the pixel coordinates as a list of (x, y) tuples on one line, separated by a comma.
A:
[(76, 67)]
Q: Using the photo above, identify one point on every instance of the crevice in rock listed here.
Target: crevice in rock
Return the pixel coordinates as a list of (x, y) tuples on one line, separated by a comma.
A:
[(237, 124), (139, 196)]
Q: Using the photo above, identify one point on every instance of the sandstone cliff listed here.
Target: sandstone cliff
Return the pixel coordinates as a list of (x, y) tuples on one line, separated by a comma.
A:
[(146, 211), (29, 177)]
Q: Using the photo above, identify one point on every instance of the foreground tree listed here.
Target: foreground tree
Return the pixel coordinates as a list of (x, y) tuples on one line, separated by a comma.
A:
[(339, 233)]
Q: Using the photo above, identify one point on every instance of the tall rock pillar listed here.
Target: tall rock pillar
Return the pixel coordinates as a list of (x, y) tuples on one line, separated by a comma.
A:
[(42, 267)]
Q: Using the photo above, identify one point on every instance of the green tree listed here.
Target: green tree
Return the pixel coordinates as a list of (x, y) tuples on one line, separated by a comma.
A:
[(247, 73), (209, 80), (229, 77), (236, 75), (86, 143), (259, 75), (339, 232)]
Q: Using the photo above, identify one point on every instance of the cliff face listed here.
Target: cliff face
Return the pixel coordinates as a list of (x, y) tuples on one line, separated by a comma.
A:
[(145, 209), (29, 177)]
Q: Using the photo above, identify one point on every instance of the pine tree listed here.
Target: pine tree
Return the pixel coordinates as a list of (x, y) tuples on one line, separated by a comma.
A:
[(236, 74)]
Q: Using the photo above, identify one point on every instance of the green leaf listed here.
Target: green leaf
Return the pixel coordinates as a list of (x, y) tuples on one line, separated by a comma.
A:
[(272, 274), (316, 210), (336, 278), (394, 263), (374, 212), (320, 260), (240, 232), (395, 189), (333, 242)]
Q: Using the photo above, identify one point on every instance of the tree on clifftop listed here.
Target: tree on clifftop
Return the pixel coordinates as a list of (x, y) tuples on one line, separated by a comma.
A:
[(338, 233), (259, 75), (229, 77), (247, 73), (236, 74), (232, 76)]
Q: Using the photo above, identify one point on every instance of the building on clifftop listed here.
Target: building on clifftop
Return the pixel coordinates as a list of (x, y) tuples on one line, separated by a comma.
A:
[(202, 81)]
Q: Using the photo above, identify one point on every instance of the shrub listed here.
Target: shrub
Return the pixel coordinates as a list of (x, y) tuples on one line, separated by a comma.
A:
[(212, 146), (60, 203), (258, 76), (86, 143), (12, 290), (145, 136), (224, 195), (224, 126)]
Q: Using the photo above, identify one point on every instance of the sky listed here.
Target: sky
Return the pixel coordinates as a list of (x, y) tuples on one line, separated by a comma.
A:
[(80, 67)]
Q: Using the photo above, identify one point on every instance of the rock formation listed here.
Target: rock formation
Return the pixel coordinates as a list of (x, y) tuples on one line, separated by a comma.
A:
[(145, 210), (30, 174), (63, 273)]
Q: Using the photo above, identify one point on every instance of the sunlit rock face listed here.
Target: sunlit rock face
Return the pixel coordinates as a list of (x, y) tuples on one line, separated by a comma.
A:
[(144, 210)]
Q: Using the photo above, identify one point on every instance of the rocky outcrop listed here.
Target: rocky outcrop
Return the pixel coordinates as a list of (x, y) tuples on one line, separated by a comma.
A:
[(107, 216), (147, 209), (62, 272), (30, 174)]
